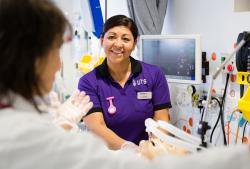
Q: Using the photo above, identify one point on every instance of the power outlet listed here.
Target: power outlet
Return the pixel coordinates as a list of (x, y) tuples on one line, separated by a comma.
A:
[(230, 67)]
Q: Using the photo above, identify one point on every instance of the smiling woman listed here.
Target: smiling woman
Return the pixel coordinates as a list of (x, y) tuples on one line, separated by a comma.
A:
[(135, 90), (118, 43)]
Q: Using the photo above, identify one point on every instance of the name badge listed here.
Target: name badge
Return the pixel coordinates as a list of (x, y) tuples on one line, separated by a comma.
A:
[(144, 95)]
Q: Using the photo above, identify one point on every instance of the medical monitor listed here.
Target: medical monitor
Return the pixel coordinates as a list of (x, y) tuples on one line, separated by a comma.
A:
[(179, 56)]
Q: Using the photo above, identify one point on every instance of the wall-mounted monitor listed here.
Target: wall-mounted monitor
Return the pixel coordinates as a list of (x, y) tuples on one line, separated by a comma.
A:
[(179, 56)]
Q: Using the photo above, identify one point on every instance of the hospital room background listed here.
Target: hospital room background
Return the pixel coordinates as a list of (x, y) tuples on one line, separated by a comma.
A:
[(218, 22)]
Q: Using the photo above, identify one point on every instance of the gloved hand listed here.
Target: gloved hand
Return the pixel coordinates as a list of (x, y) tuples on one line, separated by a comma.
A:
[(151, 148), (130, 146), (155, 147), (72, 110)]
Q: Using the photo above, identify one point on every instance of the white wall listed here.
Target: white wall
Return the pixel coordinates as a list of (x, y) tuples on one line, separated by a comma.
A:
[(215, 20), (115, 7)]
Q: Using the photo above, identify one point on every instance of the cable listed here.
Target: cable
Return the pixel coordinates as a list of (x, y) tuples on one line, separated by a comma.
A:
[(222, 109), (228, 127), (216, 123), (228, 132), (221, 115), (201, 108), (237, 134), (243, 134)]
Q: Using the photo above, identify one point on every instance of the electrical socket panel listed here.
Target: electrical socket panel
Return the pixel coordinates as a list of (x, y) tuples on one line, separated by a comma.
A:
[(230, 67)]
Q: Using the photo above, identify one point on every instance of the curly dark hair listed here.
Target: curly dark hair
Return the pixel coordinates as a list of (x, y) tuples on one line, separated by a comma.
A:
[(28, 30)]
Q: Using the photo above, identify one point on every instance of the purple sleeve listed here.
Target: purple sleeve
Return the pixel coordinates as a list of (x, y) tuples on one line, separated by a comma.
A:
[(160, 92), (90, 87)]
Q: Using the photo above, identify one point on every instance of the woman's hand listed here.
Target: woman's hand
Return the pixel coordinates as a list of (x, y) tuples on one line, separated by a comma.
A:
[(76, 107), (155, 147), (130, 146), (72, 110)]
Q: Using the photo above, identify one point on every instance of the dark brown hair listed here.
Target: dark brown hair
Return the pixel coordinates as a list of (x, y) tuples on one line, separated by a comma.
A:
[(28, 30), (120, 20)]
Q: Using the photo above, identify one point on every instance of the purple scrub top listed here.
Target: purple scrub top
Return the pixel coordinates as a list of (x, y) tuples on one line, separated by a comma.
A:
[(132, 106)]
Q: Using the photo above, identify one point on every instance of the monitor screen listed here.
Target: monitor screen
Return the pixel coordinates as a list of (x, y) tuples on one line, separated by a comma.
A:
[(179, 56)]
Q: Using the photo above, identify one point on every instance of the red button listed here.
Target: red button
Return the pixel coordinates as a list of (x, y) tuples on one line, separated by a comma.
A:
[(233, 78), (214, 56), (190, 121), (230, 68)]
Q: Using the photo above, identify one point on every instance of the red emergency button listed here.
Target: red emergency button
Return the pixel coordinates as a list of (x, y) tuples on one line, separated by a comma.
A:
[(230, 68)]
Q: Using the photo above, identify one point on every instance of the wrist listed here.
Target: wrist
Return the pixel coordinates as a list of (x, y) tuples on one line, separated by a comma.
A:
[(130, 146)]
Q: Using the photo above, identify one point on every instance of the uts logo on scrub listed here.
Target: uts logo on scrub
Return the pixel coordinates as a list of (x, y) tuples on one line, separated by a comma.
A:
[(139, 82)]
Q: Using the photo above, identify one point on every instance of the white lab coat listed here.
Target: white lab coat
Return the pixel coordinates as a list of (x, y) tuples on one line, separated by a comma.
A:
[(29, 141)]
